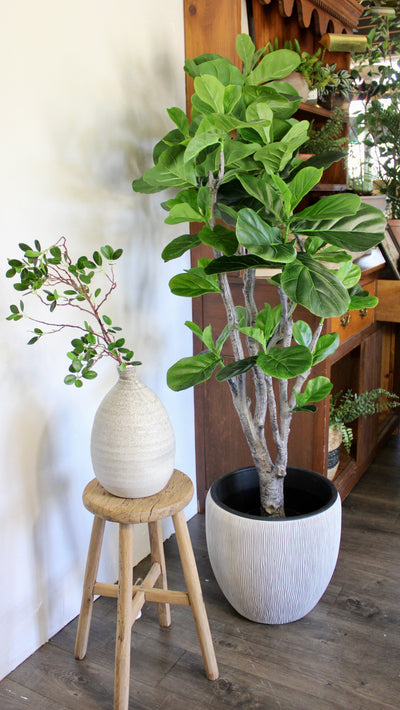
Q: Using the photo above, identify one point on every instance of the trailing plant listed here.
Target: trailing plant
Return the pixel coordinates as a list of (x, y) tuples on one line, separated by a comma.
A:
[(330, 133), (239, 181), (59, 282), (347, 407)]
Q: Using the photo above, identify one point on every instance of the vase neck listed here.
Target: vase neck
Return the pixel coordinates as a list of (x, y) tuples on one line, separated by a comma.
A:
[(128, 375)]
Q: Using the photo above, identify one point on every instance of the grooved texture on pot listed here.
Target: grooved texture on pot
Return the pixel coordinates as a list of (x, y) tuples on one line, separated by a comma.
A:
[(132, 444), (273, 571)]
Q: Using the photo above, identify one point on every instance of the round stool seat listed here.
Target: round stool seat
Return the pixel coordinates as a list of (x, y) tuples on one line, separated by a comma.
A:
[(174, 497)]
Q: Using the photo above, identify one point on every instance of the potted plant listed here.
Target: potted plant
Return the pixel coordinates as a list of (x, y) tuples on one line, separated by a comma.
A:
[(311, 73), (376, 76), (346, 408), (241, 185), (338, 92), (132, 442)]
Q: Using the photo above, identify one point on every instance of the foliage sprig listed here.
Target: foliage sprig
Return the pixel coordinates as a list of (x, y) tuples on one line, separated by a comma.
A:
[(59, 282), (346, 408)]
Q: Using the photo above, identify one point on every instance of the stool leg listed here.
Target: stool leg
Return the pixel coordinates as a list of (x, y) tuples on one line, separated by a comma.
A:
[(157, 555), (124, 618), (92, 566), (195, 595)]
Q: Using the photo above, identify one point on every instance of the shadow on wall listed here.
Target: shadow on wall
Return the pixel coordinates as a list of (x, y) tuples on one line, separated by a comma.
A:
[(96, 163)]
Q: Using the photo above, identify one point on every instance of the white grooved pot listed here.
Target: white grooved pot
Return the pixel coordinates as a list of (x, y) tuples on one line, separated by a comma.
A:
[(273, 571), (132, 444)]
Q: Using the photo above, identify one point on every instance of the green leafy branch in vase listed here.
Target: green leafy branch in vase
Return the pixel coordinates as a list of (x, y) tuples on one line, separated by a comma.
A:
[(58, 282)]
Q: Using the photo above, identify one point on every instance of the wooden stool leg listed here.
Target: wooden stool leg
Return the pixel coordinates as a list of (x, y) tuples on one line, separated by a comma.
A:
[(92, 566), (195, 595), (124, 618), (157, 555)]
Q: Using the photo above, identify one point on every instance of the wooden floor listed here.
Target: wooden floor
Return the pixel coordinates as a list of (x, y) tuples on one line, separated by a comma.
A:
[(344, 654)]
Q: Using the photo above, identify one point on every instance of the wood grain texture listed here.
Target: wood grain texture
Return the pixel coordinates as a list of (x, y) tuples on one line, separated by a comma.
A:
[(174, 497), (343, 655)]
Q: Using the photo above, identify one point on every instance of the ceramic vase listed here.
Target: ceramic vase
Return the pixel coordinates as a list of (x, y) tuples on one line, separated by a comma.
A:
[(132, 443)]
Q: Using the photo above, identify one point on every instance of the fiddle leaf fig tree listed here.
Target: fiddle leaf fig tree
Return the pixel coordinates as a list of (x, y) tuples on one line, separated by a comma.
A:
[(241, 184)]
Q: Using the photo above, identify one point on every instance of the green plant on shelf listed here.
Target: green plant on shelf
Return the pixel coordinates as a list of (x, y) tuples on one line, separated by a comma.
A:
[(348, 406), (329, 134)]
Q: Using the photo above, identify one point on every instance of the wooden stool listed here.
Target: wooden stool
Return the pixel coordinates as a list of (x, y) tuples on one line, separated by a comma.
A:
[(131, 597)]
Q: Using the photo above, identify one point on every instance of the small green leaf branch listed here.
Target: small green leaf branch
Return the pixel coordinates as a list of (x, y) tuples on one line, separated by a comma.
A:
[(58, 282)]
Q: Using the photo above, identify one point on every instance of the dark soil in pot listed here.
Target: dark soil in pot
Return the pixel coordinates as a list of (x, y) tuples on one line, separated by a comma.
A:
[(306, 492)]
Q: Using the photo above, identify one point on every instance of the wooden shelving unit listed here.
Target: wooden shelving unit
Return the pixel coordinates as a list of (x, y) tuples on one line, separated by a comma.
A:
[(371, 347)]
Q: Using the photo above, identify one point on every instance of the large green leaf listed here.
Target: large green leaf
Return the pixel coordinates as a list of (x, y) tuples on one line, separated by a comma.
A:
[(221, 68), (357, 232), (275, 65), (225, 264), (179, 246), (284, 363), (220, 238), (210, 91), (192, 283), (264, 192), (254, 333), (274, 157), (302, 183), (349, 274), (329, 207), (184, 208), (283, 106), (311, 285), (331, 255), (315, 390), (323, 160), (232, 96), (302, 333), (260, 112), (198, 143), (171, 170), (236, 368), (326, 345), (268, 319), (359, 299), (245, 49), (260, 238), (180, 119), (190, 371), (235, 151)]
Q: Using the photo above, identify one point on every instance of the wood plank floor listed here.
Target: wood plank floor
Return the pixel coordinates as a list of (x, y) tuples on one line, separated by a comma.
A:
[(344, 654)]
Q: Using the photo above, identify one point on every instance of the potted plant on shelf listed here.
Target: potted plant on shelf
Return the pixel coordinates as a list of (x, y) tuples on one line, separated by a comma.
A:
[(346, 408), (329, 134), (376, 76), (311, 74), (338, 92), (239, 182), (132, 443)]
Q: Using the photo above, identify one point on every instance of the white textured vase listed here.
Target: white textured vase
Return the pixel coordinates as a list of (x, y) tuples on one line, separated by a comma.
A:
[(273, 571), (132, 444)]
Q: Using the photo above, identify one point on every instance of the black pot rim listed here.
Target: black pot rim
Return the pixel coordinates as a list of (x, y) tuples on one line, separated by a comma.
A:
[(293, 474)]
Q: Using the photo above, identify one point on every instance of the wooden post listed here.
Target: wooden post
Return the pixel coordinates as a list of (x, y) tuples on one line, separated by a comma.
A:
[(157, 555), (124, 618), (195, 595), (92, 566)]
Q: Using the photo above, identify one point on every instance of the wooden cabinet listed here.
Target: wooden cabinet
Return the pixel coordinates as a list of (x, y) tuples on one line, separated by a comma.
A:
[(368, 352)]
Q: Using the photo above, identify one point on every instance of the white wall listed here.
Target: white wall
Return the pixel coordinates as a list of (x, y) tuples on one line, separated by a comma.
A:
[(84, 86)]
